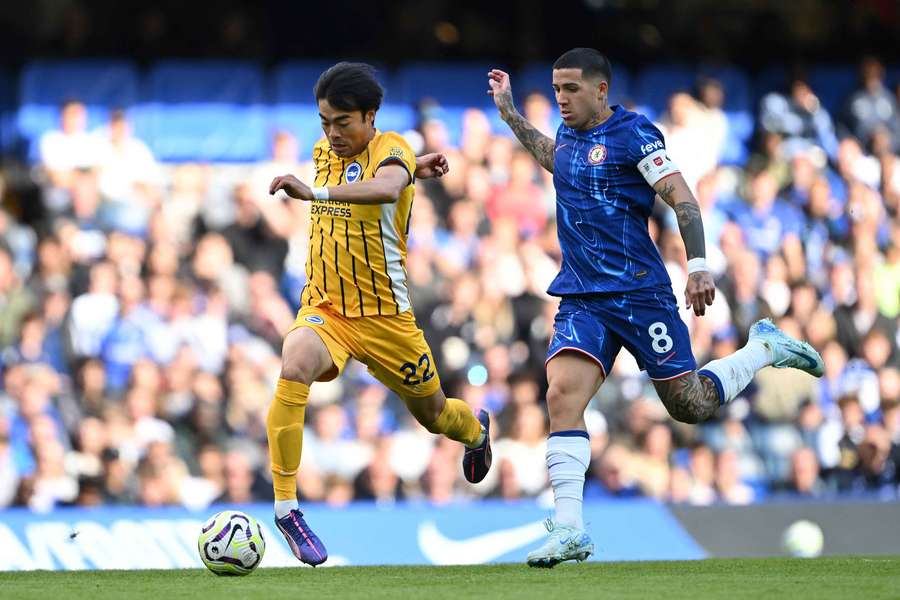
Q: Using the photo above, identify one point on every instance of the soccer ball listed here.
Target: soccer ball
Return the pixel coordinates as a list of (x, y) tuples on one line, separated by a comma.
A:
[(231, 543), (803, 539)]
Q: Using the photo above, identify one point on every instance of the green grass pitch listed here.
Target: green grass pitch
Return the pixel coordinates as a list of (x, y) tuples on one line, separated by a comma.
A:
[(795, 579)]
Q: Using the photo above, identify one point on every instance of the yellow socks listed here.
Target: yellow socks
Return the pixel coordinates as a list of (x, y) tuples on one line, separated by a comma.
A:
[(458, 423), (284, 426)]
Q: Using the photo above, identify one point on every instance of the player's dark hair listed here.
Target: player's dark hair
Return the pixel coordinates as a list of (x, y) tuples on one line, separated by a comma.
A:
[(591, 62), (351, 87)]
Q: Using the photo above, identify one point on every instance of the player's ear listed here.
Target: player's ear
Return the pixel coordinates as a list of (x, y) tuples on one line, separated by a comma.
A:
[(369, 117), (602, 89)]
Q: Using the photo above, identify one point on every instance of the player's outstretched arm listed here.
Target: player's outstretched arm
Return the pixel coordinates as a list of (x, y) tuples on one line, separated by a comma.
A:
[(701, 290), (538, 144), (389, 181)]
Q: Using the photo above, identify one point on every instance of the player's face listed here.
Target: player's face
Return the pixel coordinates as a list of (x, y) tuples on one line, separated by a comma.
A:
[(348, 132), (579, 99)]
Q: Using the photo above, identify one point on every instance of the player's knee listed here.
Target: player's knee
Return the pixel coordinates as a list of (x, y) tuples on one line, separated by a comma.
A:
[(559, 392), (562, 406), (431, 426), (427, 412), (299, 371), (429, 420)]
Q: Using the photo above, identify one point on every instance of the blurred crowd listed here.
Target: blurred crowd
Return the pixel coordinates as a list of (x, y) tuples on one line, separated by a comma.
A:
[(142, 307)]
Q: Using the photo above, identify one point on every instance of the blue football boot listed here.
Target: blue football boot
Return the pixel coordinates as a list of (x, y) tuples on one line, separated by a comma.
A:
[(477, 461), (303, 542)]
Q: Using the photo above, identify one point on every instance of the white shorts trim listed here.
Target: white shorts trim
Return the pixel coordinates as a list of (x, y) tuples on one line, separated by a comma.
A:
[(585, 352)]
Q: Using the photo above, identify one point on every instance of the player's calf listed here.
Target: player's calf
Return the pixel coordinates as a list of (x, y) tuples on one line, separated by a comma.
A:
[(689, 399), (696, 396), (453, 418)]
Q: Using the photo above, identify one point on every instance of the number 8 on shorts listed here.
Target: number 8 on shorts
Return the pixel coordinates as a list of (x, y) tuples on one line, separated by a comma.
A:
[(659, 334)]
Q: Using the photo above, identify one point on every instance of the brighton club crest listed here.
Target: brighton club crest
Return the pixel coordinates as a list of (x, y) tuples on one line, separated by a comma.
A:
[(597, 154)]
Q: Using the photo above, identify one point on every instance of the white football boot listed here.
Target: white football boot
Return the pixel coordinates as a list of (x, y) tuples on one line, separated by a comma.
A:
[(564, 543), (786, 351)]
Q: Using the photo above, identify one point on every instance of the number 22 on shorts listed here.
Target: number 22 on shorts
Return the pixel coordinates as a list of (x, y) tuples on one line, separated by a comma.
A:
[(410, 370)]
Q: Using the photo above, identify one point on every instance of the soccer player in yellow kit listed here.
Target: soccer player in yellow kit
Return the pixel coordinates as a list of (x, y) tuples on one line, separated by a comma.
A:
[(356, 300)]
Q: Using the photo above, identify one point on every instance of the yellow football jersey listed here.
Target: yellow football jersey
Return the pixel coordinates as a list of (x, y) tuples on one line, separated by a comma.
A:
[(357, 252)]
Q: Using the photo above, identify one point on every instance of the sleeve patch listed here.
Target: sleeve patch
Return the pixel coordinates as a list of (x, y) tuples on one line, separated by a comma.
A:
[(656, 166)]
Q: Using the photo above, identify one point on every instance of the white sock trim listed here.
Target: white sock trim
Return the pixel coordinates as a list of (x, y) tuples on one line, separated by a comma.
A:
[(283, 507), (735, 372), (480, 440)]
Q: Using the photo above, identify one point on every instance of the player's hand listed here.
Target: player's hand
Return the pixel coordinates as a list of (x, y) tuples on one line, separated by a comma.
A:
[(292, 186), (498, 81), (431, 165), (700, 292)]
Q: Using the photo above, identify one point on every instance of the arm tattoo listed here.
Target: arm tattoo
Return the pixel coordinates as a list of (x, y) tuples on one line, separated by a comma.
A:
[(689, 399), (691, 225), (538, 144)]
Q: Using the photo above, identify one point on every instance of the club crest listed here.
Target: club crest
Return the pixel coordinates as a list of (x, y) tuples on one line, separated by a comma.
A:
[(597, 154)]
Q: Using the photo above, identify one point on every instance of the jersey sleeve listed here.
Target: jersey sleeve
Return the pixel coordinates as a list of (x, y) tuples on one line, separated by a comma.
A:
[(647, 152), (394, 150)]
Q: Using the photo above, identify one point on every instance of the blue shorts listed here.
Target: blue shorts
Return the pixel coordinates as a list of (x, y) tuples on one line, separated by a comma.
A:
[(646, 322)]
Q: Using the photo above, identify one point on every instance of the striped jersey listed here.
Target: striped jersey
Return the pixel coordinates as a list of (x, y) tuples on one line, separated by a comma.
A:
[(357, 252)]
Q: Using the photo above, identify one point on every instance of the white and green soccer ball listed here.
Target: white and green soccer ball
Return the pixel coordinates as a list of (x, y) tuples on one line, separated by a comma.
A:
[(803, 539), (231, 543)]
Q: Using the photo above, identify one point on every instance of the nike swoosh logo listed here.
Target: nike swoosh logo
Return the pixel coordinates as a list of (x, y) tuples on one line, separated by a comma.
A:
[(662, 361), (441, 550), (810, 363), (560, 147)]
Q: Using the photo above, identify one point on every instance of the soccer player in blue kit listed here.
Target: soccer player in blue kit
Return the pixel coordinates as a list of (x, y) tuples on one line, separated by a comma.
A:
[(608, 166)]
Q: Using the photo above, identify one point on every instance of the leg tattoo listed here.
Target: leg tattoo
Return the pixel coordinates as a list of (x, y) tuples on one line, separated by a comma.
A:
[(689, 399)]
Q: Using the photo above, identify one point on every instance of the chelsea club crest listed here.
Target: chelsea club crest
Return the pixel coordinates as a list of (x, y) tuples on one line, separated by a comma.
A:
[(597, 154), (352, 172)]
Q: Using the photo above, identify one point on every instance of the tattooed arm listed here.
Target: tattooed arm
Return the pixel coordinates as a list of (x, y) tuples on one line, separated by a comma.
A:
[(675, 192), (701, 291), (539, 145)]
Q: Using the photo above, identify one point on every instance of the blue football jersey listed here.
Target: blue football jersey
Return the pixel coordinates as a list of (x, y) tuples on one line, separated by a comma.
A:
[(604, 196)]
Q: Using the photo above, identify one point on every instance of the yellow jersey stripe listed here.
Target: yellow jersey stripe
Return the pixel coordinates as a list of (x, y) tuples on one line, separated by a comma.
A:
[(330, 162), (337, 269), (319, 170), (353, 266), (321, 245), (362, 227)]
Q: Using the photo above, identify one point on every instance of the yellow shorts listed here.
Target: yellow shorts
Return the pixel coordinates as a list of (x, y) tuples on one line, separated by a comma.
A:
[(392, 346)]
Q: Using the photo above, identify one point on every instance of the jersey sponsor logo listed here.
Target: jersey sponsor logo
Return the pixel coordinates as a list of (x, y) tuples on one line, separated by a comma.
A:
[(597, 154), (326, 210), (658, 161), (648, 148), (353, 171), (314, 319)]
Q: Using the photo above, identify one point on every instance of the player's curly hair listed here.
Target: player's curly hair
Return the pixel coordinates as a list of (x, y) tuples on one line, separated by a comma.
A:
[(351, 87), (591, 62)]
